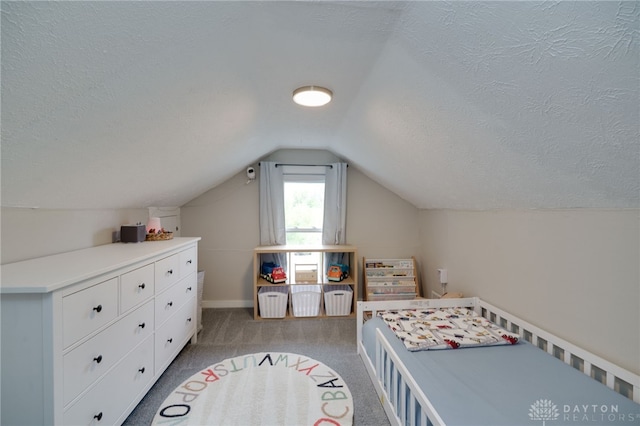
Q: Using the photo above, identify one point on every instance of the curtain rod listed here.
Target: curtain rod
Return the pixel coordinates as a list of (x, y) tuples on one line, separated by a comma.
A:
[(305, 165)]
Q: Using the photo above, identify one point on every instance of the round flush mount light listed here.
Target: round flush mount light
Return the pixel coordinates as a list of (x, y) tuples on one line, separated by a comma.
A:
[(312, 96)]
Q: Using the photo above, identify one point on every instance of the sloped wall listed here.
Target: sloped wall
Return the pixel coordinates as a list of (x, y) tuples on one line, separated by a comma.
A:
[(572, 272)]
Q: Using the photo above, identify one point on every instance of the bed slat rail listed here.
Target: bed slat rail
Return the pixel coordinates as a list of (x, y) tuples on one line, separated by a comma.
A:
[(620, 380), (403, 393)]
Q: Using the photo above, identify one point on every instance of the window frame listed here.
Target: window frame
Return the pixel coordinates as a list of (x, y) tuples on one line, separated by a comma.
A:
[(304, 174)]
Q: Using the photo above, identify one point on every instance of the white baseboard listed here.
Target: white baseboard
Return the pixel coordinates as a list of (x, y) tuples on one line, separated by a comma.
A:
[(227, 303)]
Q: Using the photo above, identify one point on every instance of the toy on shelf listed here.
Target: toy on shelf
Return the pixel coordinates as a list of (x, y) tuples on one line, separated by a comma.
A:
[(337, 272), (273, 273)]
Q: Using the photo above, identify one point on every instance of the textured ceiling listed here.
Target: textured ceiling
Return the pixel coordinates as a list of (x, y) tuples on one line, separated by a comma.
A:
[(462, 105)]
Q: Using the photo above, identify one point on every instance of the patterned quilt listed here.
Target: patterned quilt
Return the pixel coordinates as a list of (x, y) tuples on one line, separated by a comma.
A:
[(445, 328)]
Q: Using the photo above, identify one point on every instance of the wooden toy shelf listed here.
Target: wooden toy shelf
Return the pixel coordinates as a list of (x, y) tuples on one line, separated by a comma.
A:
[(306, 257)]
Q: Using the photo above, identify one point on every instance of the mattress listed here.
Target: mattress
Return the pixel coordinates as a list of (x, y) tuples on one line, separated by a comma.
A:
[(507, 385)]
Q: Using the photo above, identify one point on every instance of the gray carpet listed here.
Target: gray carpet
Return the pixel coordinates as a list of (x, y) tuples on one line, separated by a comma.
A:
[(229, 333)]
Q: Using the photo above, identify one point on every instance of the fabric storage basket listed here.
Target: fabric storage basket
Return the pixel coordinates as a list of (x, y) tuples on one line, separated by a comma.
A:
[(337, 300), (305, 300), (273, 301)]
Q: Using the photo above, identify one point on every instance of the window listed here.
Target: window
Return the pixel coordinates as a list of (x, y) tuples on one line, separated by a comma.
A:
[(303, 204), (303, 211)]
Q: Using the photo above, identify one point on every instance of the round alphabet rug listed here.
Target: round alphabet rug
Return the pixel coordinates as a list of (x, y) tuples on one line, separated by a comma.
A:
[(268, 388)]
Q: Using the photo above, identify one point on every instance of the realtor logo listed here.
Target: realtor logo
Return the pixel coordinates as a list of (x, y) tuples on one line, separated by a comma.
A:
[(543, 409)]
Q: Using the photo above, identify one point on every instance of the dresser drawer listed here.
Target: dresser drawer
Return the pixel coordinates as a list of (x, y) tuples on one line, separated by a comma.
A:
[(167, 272), (188, 262), (87, 310), (136, 287), (109, 399), (174, 334), (171, 300), (86, 363)]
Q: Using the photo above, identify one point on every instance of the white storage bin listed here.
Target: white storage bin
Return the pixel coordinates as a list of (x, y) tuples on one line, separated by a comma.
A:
[(337, 300), (305, 300), (272, 301)]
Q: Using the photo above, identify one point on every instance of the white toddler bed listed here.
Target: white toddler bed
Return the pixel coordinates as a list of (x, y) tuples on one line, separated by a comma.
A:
[(500, 385)]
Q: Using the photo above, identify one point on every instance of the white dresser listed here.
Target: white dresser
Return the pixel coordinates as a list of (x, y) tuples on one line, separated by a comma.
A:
[(85, 334)]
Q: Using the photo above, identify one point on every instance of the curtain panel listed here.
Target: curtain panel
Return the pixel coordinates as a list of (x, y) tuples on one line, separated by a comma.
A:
[(272, 225), (334, 227)]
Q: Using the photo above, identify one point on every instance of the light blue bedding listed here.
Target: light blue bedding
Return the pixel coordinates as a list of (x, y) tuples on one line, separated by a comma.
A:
[(507, 385)]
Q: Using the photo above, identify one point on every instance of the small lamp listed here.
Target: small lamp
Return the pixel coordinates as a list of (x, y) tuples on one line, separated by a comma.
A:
[(154, 223)]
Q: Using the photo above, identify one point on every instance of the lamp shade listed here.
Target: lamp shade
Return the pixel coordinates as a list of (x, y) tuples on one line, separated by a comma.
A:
[(312, 96)]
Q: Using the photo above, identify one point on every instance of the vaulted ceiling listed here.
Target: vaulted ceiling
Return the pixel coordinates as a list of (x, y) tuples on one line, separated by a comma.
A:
[(462, 105)]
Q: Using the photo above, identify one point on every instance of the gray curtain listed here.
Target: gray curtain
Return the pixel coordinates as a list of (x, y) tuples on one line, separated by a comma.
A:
[(335, 210), (272, 225)]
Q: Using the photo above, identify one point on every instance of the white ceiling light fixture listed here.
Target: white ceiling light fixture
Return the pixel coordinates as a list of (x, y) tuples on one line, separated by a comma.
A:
[(312, 96)]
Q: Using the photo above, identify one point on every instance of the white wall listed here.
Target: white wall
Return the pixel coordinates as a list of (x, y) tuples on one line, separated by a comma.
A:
[(573, 272), (29, 233), (226, 218), (379, 223)]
